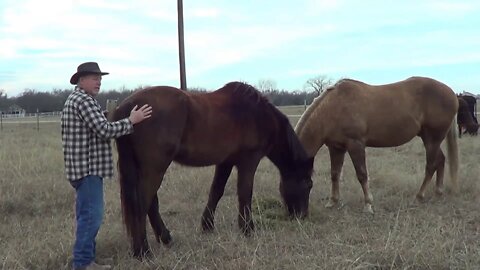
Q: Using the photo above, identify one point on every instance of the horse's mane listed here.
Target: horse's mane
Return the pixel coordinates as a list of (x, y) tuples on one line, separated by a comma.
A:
[(247, 99), (244, 92), (346, 80), (308, 113)]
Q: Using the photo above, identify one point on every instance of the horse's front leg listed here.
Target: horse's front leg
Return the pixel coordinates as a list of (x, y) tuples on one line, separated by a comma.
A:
[(246, 173), (356, 150), (337, 156), (222, 172)]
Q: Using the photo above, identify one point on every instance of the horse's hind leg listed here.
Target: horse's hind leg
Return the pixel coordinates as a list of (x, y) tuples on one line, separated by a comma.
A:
[(161, 231), (356, 150), (152, 175), (440, 172), (222, 172), (434, 158), (337, 156), (140, 243)]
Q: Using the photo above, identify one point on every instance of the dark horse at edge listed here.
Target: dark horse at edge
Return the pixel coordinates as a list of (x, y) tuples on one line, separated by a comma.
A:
[(466, 120), (233, 126)]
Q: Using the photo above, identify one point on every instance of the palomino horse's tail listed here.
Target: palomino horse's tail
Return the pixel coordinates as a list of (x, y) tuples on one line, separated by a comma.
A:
[(128, 173), (452, 149)]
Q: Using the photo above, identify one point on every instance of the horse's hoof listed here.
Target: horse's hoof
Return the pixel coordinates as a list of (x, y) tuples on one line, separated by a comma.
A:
[(420, 199), (166, 238), (368, 209), (439, 191), (248, 229), (248, 232), (331, 204), (169, 244), (208, 226), (142, 254)]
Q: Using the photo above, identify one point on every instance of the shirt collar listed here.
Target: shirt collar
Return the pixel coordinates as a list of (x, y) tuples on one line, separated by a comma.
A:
[(77, 88)]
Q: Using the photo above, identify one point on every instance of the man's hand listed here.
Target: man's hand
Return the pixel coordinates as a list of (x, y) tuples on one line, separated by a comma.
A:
[(137, 116)]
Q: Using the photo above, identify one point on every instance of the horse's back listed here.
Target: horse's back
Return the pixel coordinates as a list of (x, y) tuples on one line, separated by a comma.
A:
[(418, 95), (390, 114), (164, 129), (169, 104), (233, 118), (438, 101)]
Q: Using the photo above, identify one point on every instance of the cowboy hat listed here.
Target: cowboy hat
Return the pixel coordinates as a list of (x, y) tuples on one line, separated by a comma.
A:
[(85, 69)]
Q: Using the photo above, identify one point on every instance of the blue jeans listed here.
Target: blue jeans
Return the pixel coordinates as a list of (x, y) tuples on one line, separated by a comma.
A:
[(89, 207)]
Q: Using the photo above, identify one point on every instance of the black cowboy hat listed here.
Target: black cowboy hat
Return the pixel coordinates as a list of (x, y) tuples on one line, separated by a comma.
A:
[(85, 69)]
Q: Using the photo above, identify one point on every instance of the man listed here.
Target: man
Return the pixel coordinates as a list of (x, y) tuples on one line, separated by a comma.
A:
[(86, 135)]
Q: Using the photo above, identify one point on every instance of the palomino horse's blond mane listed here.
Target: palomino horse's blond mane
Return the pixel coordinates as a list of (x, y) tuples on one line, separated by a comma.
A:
[(310, 110)]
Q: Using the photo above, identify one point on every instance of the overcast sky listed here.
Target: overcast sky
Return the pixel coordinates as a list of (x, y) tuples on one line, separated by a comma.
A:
[(288, 42)]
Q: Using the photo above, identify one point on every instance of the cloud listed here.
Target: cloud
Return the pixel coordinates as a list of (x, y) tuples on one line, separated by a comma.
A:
[(137, 41), (453, 8), (324, 5), (207, 12), (104, 4)]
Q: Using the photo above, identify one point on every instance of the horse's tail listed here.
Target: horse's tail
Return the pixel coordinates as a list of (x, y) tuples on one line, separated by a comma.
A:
[(128, 174), (452, 149)]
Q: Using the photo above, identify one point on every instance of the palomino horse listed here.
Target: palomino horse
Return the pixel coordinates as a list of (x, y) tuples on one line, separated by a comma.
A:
[(353, 115), (233, 126)]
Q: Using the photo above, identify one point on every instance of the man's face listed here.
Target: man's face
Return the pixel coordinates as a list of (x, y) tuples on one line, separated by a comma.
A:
[(91, 83)]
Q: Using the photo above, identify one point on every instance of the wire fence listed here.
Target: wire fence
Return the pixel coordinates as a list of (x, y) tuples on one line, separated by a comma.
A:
[(54, 117), (29, 118), (39, 119)]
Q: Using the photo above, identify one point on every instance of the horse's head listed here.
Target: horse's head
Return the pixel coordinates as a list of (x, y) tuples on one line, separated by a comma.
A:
[(295, 187)]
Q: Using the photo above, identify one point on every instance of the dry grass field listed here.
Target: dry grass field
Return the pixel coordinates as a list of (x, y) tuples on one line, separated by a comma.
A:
[(37, 214)]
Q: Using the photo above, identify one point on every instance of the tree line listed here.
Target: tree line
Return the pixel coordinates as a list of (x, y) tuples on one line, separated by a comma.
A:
[(49, 101)]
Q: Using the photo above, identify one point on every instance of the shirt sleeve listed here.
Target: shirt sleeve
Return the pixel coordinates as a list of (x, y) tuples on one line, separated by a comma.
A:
[(93, 116)]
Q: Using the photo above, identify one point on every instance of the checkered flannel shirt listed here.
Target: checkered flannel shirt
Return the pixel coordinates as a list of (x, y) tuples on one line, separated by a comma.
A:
[(86, 135)]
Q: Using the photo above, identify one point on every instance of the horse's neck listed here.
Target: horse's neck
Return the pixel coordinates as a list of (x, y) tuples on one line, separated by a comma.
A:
[(312, 138), (287, 150), (311, 128)]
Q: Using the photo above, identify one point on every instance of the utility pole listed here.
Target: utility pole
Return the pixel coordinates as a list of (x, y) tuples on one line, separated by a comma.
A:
[(181, 46)]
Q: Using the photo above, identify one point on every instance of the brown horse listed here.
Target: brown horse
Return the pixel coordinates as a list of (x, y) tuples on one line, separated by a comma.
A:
[(471, 103), (353, 115), (233, 126), (466, 120)]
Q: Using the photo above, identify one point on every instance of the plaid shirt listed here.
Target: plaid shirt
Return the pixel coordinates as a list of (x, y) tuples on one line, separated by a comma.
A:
[(86, 135)]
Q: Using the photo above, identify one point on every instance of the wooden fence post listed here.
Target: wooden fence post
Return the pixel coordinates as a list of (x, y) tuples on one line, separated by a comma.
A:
[(38, 121)]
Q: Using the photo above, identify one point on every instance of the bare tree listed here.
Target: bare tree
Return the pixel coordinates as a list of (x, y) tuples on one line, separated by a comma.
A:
[(318, 84), (4, 102), (266, 85)]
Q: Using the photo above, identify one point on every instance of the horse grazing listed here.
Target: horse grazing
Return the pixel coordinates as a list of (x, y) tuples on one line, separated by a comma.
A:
[(353, 115), (233, 126), (471, 103), (466, 120)]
